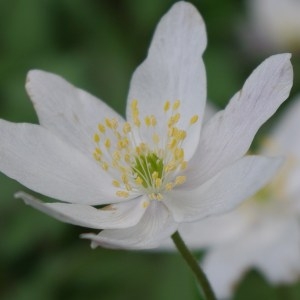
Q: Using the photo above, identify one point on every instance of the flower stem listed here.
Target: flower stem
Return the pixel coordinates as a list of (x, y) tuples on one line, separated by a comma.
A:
[(195, 267)]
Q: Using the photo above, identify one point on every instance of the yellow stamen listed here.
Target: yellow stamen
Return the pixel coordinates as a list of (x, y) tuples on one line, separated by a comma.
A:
[(172, 143), (136, 121), (194, 119), (153, 120), (147, 121), (183, 165), (158, 182), (96, 138), (134, 104), (154, 175), (128, 187), (108, 123), (126, 128), (104, 166), (167, 106), (179, 153), (116, 183), (98, 151), (127, 158), (150, 168), (173, 119), (171, 166), (146, 204), (176, 104), (116, 156), (169, 186), (155, 138), (180, 180), (159, 196), (115, 124), (107, 143), (96, 156), (101, 128), (123, 194), (125, 178), (139, 180)]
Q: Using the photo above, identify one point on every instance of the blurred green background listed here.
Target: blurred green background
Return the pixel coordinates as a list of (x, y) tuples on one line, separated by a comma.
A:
[(97, 45)]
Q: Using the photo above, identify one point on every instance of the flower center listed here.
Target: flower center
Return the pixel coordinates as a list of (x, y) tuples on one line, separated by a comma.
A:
[(153, 165), (138, 156)]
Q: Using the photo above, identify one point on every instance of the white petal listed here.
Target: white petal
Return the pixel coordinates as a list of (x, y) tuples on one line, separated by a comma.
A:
[(210, 111), (121, 215), (211, 231), (69, 112), (214, 230), (42, 162), (174, 70), (224, 191), (228, 135), (280, 261), (155, 225), (224, 268), (284, 138), (226, 264), (277, 22)]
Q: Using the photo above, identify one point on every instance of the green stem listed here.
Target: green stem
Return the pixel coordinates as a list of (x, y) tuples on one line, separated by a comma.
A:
[(195, 267)]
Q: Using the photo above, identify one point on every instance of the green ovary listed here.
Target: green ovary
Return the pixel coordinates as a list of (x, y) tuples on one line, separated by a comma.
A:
[(148, 168)]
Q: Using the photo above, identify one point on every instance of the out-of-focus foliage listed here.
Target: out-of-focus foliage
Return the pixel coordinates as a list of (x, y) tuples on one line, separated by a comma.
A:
[(96, 45)]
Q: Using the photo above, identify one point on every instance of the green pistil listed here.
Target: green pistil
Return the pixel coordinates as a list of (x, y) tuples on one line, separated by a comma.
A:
[(147, 165)]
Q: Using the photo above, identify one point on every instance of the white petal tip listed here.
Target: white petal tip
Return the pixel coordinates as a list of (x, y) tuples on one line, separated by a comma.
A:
[(19, 195), (31, 74), (28, 199), (34, 76), (89, 236), (282, 56)]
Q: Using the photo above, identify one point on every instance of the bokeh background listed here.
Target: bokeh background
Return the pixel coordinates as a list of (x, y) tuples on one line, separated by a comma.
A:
[(97, 45)]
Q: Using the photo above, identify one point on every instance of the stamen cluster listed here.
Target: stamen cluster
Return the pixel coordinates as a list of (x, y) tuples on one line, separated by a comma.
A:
[(150, 167)]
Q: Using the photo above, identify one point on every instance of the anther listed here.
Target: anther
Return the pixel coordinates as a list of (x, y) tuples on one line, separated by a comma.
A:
[(116, 155), (183, 165), (158, 182), (123, 194), (139, 180), (169, 186), (134, 104), (101, 128), (96, 138), (126, 128), (194, 119), (107, 143), (176, 104), (104, 166), (147, 121), (154, 175), (155, 138), (124, 178), (180, 180), (153, 120), (108, 123), (167, 106), (146, 204), (116, 183)]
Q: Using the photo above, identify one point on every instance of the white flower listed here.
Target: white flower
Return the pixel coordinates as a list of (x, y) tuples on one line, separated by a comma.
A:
[(152, 171), (276, 23), (264, 232)]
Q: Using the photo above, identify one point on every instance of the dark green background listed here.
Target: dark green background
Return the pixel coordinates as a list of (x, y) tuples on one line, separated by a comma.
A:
[(96, 45)]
